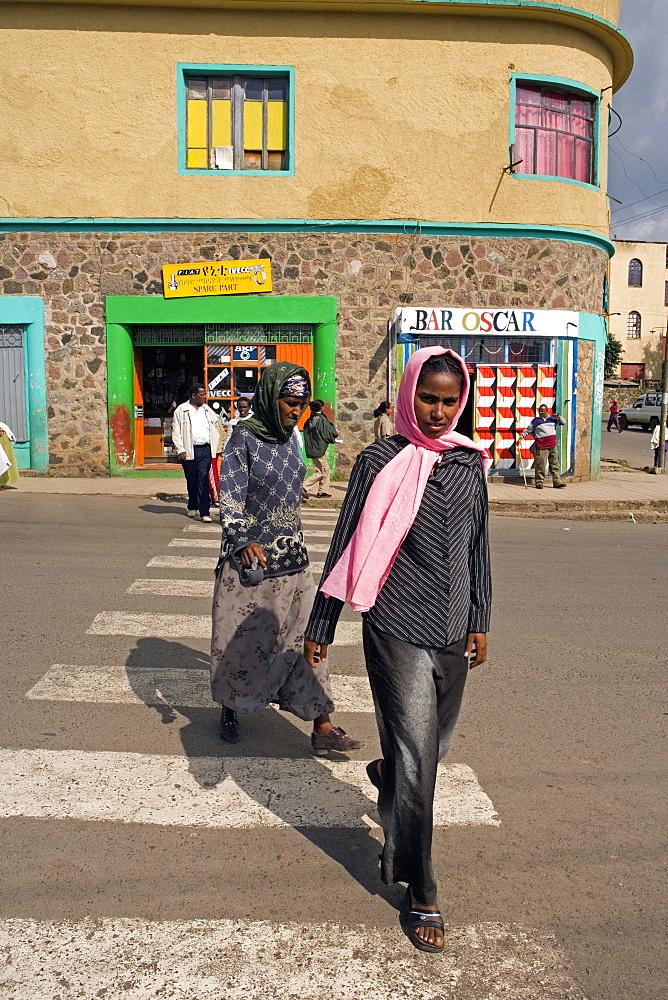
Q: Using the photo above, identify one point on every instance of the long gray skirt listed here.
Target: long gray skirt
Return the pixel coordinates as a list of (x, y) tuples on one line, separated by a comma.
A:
[(257, 643)]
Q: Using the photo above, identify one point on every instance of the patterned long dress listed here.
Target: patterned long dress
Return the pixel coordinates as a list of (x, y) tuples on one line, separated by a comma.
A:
[(258, 632)]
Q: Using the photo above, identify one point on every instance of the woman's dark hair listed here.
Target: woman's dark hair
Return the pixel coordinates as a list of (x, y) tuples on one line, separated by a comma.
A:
[(442, 363), (382, 408), (316, 405)]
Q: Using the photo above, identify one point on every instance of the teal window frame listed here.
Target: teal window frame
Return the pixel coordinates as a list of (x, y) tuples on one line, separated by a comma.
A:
[(184, 70), (572, 86)]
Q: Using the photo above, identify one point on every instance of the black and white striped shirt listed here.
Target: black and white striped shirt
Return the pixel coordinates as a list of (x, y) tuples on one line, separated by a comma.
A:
[(439, 587)]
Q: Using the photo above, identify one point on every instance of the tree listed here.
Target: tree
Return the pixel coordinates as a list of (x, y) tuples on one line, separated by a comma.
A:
[(613, 355)]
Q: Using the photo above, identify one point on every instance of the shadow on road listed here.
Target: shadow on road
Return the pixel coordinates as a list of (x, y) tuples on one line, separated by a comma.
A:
[(158, 669), (151, 508)]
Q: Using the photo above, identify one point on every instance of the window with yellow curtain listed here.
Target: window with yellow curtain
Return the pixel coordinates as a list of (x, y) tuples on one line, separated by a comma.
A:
[(237, 122)]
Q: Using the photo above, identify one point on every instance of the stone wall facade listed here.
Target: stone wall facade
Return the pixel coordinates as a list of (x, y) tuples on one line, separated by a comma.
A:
[(369, 274)]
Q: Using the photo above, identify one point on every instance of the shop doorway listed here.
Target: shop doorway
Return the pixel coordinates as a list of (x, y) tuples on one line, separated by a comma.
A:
[(163, 377), (164, 373)]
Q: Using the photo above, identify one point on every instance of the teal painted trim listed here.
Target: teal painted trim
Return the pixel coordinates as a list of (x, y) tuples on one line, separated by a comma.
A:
[(594, 328), (416, 227), (182, 71), (29, 312), (570, 85)]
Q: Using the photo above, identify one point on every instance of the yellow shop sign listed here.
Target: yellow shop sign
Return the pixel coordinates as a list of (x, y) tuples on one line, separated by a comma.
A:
[(228, 277)]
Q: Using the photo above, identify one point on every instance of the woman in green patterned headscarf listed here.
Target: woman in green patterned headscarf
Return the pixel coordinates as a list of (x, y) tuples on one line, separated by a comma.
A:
[(274, 419), (258, 629)]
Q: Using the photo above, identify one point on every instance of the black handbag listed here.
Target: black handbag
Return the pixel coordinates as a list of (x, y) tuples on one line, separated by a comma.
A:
[(249, 576)]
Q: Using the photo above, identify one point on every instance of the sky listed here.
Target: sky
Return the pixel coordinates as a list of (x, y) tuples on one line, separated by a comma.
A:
[(642, 104)]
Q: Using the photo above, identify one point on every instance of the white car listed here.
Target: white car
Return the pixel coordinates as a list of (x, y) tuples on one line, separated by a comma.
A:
[(646, 411)]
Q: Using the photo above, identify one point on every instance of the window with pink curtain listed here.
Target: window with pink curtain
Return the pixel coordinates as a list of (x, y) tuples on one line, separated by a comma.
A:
[(554, 132)]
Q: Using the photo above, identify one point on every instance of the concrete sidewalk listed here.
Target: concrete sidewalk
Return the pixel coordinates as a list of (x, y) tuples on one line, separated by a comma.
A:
[(621, 492), (616, 495)]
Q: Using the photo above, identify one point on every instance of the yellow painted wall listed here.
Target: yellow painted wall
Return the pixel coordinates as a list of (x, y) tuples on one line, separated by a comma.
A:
[(397, 117), (649, 301)]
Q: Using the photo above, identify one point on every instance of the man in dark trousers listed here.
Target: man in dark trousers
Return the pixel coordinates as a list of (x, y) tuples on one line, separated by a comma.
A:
[(197, 435), (319, 433), (613, 419), (544, 430)]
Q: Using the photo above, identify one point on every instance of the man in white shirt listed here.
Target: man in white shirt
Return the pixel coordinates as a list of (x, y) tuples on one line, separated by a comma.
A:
[(197, 437)]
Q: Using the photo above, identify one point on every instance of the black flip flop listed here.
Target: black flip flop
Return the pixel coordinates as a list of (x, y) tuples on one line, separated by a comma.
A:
[(418, 917), (372, 773)]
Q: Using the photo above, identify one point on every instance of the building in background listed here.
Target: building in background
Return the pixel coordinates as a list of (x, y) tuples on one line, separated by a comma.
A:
[(407, 173), (639, 306)]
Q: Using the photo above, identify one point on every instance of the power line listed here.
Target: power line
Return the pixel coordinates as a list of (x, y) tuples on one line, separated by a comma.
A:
[(623, 208), (646, 197), (645, 215), (642, 160)]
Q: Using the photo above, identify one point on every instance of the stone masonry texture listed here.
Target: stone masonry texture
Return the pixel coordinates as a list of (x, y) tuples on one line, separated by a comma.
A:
[(369, 274)]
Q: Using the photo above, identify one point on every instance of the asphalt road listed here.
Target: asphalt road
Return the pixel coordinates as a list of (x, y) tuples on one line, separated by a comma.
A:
[(631, 446), (560, 896)]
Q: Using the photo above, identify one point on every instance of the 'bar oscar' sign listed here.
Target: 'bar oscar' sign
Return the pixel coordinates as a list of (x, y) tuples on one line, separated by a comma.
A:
[(228, 277)]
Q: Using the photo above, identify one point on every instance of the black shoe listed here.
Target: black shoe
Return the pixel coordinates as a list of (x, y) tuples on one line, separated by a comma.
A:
[(373, 773), (320, 496), (229, 726), (336, 739), (559, 486), (539, 486)]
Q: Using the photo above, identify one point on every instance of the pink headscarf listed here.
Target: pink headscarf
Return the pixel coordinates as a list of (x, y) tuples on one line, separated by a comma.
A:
[(395, 495)]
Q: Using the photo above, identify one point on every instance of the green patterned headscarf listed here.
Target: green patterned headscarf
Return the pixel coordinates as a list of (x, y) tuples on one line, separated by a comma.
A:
[(266, 420)]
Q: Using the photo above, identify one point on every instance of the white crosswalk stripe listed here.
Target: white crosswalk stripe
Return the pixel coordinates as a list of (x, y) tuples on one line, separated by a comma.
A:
[(311, 529), (169, 626), (186, 626), (158, 686), (213, 543), (173, 588), (194, 543), (183, 562), (233, 959), (230, 793), (201, 562)]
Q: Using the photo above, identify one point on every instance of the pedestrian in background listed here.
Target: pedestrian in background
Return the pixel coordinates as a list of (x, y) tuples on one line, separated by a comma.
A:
[(544, 430), (319, 433), (410, 551), (264, 588), (242, 409), (382, 425), (654, 444), (613, 419), (197, 435), (9, 471)]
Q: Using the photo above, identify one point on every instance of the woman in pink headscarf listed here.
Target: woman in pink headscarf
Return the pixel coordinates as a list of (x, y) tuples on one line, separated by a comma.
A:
[(410, 551)]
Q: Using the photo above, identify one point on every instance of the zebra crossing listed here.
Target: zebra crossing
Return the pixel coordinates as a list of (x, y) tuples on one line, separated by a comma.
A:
[(241, 958), (270, 960)]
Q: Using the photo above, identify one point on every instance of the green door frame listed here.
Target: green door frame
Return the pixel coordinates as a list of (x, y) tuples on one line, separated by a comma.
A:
[(124, 311)]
